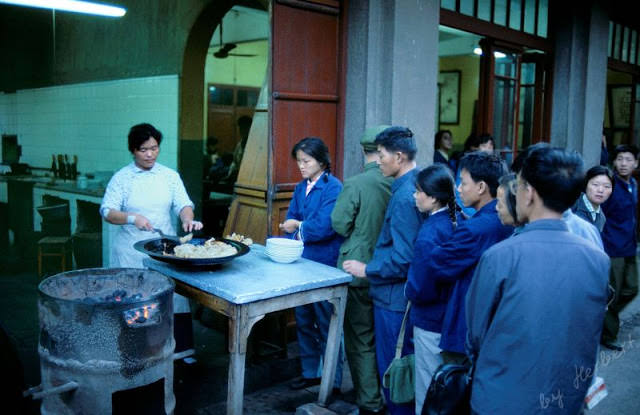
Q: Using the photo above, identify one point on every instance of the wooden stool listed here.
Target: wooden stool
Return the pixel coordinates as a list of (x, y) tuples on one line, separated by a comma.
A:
[(54, 246)]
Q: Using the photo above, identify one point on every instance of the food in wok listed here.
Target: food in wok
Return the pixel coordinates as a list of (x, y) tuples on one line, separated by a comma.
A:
[(210, 249)]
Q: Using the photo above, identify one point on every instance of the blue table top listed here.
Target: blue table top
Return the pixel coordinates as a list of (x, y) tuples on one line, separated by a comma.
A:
[(254, 277)]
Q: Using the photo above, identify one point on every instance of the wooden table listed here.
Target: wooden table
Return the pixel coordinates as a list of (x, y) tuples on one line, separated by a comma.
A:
[(251, 286)]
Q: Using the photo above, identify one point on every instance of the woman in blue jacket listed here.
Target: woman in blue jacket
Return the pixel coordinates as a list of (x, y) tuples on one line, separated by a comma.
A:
[(309, 220), (434, 195)]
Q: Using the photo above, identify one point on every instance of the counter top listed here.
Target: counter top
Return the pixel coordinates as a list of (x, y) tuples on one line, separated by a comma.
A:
[(69, 186), (254, 277)]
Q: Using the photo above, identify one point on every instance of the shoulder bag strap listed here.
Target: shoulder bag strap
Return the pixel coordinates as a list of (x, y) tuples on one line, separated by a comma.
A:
[(400, 341)]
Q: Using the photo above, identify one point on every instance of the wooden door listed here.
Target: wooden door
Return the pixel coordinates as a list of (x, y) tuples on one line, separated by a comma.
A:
[(303, 98)]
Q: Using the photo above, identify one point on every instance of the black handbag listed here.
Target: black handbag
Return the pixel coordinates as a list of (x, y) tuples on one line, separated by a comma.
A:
[(450, 390)]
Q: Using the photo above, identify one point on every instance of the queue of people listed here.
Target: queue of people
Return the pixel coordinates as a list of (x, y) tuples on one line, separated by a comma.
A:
[(497, 287), (518, 287)]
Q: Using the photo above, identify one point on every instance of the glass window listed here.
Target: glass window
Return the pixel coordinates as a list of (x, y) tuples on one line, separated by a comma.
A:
[(528, 75), (220, 96), (625, 44), (506, 65), (543, 14), (610, 37), (503, 114), (634, 40), (500, 12), (247, 98), (526, 115), (529, 16), (515, 13), (466, 7), (617, 41), (448, 4), (484, 10)]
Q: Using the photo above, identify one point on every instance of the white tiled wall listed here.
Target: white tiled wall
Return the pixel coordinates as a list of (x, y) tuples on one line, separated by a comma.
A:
[(91, 120)]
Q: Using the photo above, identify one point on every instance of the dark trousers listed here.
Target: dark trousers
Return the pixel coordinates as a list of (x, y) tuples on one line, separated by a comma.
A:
[(360, 346), (623, 277)]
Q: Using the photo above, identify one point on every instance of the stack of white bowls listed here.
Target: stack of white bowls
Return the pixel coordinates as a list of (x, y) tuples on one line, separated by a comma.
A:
[(283, 250)]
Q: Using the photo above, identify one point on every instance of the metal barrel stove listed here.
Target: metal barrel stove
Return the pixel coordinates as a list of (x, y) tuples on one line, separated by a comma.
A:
[(106, 342)]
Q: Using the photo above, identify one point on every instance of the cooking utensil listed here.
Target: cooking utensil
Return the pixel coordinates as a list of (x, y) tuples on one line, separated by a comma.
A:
[(182, 239), (157, 247)]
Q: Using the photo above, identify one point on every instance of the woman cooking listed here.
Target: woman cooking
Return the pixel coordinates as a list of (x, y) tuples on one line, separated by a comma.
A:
[(140, 197), (309, 220)]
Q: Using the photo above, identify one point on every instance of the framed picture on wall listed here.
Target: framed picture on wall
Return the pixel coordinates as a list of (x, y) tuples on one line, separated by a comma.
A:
[(449, 99), (620, 106)]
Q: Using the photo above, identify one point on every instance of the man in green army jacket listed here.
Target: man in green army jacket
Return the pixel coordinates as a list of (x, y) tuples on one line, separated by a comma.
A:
[(358, 215)]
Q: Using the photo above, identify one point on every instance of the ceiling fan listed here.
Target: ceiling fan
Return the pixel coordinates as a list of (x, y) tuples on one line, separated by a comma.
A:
[(225, 48)]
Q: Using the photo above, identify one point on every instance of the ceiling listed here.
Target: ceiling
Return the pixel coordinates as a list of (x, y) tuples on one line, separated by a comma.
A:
[(454, 42), (242, 24)]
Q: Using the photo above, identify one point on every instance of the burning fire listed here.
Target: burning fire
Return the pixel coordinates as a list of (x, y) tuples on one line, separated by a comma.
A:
[(141, 315)]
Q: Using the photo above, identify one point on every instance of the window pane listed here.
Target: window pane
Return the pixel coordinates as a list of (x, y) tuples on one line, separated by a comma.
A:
[(625, 44), (529, 16), (616, 42), (247, 98), (514, 16), (220, 96), (448, 4), (528, 75), (500, 13), (634, 40), (610, 38), (484, 10), (466, 7), (503, 115), (506, 65), (525, 130), (543, 14)]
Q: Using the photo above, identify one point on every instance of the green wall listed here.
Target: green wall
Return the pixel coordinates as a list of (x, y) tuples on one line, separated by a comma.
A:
[(148, 41), (469, 83)]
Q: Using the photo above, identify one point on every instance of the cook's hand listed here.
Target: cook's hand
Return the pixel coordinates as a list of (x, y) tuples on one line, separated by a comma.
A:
[(142, 223), (355, 268), (290, 225), (192, 225)]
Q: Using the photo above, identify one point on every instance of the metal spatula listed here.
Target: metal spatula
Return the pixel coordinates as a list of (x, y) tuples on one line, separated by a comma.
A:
[(182, 239)]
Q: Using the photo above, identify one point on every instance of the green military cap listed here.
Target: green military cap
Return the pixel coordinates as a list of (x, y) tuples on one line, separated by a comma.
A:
[(369, 137)]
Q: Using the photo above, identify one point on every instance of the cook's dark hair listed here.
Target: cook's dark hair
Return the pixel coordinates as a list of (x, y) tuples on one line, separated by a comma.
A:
[(484, 167), (506, 182), (316, 148), (556, 174), (598, 171), (436, 181), (438, 138), (625, 148), (398, 139), (140, 133)]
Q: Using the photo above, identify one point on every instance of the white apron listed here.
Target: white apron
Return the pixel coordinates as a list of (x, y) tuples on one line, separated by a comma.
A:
[(155, 203)]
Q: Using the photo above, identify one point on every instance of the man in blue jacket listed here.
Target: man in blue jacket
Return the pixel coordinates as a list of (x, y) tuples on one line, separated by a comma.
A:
[(619, 238), (454, 261), (387, 270), (536, 301)]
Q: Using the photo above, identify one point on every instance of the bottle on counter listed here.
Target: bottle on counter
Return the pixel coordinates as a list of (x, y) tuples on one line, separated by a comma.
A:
[(54, 167), (74, 168), (62, 168)]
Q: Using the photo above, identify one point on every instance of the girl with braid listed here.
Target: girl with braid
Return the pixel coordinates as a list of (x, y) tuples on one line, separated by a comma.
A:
[(434, 196)]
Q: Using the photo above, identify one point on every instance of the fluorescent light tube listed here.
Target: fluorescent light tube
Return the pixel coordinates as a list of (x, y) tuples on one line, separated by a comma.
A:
[(71, 6)]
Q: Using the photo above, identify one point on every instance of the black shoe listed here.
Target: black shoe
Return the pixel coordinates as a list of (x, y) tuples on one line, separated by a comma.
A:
[(365, 411), (302, 383), (612, 345)]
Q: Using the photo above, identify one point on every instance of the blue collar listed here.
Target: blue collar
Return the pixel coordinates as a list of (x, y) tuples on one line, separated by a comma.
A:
[(545, 225), (397, 183)]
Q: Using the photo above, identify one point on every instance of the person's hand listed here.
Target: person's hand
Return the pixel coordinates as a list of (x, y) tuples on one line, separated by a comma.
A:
[(355, 268), (142, 223), (290, 225), (192, 225)]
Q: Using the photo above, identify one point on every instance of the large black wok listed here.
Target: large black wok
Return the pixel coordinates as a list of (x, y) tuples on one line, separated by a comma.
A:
[(156, 246)]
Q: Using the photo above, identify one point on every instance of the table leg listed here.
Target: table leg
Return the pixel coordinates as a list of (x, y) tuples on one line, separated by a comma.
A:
[(333, 345), (239, 328)]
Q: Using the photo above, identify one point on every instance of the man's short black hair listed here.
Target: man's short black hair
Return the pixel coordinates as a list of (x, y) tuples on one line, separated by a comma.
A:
[(140, 133), (516, 166), (398, 139), (556, 174), (625, 148), (484, 167)]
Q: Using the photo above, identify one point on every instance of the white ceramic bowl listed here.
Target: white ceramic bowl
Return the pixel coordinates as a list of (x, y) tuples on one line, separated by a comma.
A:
[(284, 250)]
